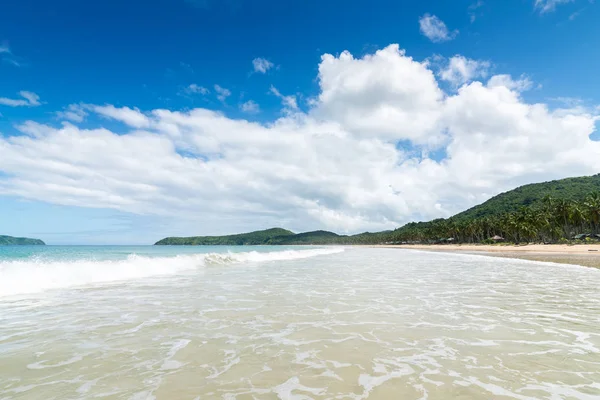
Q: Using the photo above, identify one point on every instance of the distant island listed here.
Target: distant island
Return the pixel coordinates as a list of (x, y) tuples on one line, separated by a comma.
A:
[(561, 211), (17, 241)]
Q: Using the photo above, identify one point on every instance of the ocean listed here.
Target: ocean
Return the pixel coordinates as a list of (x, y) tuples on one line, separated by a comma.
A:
[(117, 322)]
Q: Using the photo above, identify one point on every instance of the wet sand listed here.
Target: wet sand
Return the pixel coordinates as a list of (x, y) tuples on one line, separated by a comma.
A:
[(587, 255)]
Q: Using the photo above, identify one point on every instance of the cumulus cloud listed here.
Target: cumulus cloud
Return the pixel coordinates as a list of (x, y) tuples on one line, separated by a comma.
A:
[(544, 6), (222, 93), (129, 116), (289, 102), (519, 85), (29, 99), (196, 89), (250, 107), (74, 112), (435, 29), (355, 161), (461, 70), (261, 65), (373, 97)]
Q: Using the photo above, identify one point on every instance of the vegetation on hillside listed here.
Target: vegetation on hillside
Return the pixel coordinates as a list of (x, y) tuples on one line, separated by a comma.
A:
[(324, 237), (277, 236), (548, 212), (552, 221), (15, 241), (533, 195), (243, 239)]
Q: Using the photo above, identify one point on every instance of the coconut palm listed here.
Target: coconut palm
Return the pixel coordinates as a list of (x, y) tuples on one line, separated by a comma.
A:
[(592, 209)]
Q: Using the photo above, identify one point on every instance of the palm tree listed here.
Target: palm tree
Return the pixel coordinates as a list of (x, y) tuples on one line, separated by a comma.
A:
[(548, 201), (577, 216), (592, 209), (562, 210)]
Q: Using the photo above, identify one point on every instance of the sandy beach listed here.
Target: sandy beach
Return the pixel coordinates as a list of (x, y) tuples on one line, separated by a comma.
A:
[(585, 254)]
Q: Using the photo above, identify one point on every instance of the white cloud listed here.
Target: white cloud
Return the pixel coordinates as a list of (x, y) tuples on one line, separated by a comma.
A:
[(519, 85), (435, 29), (129, 116), (29, 99), (222, 93), (261, 65), (570, 102), (461, 70), (353, 162), (289, 102), (14, 62), (386, 95), (574, 15), (196, 89), (7, 56), (544, 6), (74, 112), (250, 107)]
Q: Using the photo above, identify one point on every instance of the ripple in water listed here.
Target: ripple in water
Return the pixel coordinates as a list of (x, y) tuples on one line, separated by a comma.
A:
[(365, 323)]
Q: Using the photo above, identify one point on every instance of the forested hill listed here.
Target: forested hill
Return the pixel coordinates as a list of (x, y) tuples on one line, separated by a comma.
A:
[(532, 195), (277, 236), (15, 241), (553, 211), (247, 239)]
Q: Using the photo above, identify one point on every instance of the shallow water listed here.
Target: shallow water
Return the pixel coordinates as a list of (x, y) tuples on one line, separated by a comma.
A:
[(357, 324)]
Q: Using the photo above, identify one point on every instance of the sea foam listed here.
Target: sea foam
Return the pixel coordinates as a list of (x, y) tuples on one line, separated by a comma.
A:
[(36, 275)]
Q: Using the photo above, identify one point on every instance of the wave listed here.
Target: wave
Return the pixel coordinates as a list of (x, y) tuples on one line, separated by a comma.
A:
[(37, 275)]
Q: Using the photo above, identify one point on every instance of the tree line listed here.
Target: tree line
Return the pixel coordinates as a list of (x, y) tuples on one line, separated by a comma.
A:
[(553, 220)]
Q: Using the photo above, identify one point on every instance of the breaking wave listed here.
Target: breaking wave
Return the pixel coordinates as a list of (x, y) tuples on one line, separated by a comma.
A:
[(36, 275)]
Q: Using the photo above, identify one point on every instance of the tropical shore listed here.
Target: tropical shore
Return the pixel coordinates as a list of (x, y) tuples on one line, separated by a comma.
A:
[(587, 255)]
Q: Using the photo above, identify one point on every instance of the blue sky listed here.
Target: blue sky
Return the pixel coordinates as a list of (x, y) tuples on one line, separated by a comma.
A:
[(145, 55)]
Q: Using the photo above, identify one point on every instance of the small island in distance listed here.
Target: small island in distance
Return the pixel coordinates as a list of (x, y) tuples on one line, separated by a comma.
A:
[(18, 241), (560, 211)]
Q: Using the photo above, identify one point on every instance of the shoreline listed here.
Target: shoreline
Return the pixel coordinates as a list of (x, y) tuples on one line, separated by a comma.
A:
[(586, 255)]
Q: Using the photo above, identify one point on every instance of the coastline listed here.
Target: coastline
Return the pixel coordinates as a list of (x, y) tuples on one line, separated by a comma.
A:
[(587, 255)]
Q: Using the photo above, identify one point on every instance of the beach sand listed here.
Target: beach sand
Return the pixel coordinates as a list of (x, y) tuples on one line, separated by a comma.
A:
[(587, 255)]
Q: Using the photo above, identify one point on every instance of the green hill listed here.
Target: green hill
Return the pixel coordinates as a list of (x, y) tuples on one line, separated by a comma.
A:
[(548, 212), (277, 236), (316, 237), (15, 241), (532, 195), (243, 239), (544, 212)]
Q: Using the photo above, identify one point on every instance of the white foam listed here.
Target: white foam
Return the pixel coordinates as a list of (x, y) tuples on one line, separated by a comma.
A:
[(36, 275), (255, 256), (42, 365), (284, 391)]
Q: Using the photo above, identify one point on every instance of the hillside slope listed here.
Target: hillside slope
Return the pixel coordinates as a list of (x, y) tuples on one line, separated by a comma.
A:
[(519, 214), (316, 237), (278, 236), (532, 195), (243, 239), (16, 241)]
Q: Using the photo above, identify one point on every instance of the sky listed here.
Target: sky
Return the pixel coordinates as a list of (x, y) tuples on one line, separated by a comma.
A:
[(122, 122)]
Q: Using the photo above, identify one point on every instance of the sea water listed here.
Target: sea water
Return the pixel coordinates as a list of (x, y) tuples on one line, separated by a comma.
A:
[(293, 323)]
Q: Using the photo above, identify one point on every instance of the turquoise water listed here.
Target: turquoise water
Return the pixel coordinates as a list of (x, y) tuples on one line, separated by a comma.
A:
[(55, 253), (35, 269)]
